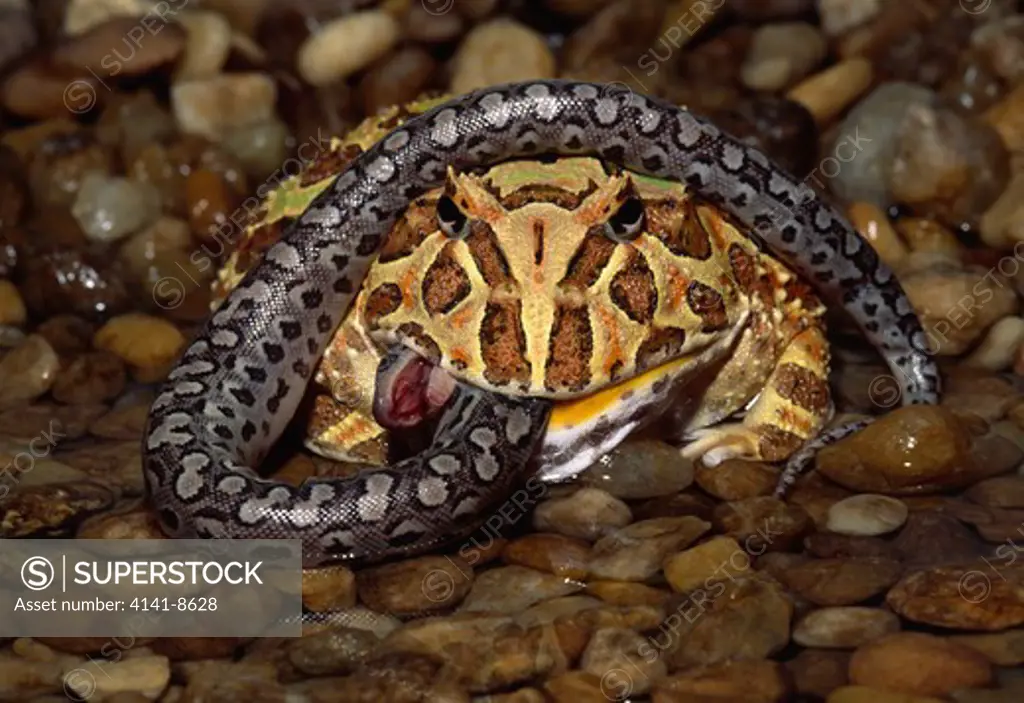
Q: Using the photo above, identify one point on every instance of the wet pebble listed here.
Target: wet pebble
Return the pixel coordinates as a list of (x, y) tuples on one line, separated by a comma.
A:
[(636, 552), (345, 45), (91, 378), (214, 679), (551, 553), (69, 279), (51, 509), (627, 593), (867, 694), (18, 29), (910, 450), (746, 617), (125, 422), (509, 589), (146, 675), (500, 51), (12, 307), (867, 515), (947, 165), (110, 208), (1001, 42), (781, 54), (555, 609), (962, 597), (1002, 225), (147, 344), (35, 90), (209, 203), (129, 520), (397, 79), (115, 464), (871, 130), (331, 653), (207, 44), (413, 586), (617, 648), (818, 672), (999, 492), (763, 522), (918, 664), (929, 236), (1001, 648), (736, 479), (101, 50), (826, 95), (714, 560), (587, 514), (328, 587), (872, 223), (1005, 118), (27, 371), (640, 469), (423, 23), (833, 582), (213, 107), (27, 468), (21, 678), (260, 147), (71, 422), (59, 165), (733, 680), (840, 16), (845, 628), (1000, 347), (930, 539)]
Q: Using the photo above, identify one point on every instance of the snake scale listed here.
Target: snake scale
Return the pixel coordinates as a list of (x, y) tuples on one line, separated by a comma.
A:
[(238, 383)]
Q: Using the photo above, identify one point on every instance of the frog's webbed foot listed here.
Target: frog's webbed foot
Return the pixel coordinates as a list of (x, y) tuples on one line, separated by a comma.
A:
[(793, 406), (731, 440)]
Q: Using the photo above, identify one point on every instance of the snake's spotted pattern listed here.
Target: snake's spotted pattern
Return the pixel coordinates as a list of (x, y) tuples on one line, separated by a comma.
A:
[(236, 387)]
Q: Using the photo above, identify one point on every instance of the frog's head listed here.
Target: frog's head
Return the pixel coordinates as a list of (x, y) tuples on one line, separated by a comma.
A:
[(551, 277)]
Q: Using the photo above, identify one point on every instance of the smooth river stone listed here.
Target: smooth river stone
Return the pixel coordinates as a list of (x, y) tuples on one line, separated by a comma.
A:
[(867, 515)]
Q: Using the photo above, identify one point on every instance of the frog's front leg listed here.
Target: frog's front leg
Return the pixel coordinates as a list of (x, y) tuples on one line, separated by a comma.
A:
[(792, 407)]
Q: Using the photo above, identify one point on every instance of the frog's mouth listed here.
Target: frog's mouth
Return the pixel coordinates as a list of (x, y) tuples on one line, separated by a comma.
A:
[(409, 390)]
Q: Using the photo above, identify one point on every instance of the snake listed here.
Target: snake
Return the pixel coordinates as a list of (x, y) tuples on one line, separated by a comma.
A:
[(237, 384)]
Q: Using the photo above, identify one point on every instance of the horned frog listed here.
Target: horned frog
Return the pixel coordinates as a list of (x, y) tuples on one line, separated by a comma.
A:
[(622, 297)]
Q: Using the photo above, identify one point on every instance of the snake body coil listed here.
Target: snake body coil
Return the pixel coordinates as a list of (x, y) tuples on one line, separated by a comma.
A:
[(239, 383)]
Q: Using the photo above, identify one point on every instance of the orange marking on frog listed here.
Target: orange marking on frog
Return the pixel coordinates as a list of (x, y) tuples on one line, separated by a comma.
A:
[(677, 284), (406, 284), (461, 319), (459, 355)]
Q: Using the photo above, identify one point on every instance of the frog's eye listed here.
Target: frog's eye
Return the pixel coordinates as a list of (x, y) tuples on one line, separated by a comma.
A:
[(627, 222), (452, 220)]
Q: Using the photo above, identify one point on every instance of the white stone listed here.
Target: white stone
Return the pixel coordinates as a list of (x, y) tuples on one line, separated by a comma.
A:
[(346, 45), (867, 515), (213, 107), (207, 46), (108, 208)]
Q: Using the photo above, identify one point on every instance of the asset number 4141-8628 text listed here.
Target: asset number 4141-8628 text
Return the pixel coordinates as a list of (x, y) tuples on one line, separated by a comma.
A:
[(174, 605)]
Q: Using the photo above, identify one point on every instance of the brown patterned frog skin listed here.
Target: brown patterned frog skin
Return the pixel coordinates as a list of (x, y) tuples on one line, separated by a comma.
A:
[(573, 280)]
